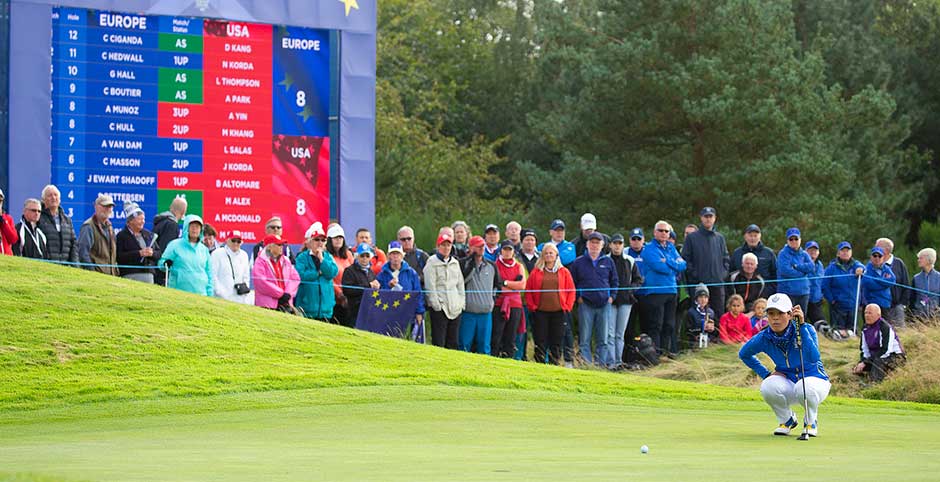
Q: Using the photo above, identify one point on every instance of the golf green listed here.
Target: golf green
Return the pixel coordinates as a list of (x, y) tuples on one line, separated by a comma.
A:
[(457, 433)]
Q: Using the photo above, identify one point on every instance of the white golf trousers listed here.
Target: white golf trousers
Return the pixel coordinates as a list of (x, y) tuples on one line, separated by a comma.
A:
[(781, 394)]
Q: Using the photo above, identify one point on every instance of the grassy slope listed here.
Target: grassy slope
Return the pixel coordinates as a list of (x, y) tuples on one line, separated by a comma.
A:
[(188, 388)]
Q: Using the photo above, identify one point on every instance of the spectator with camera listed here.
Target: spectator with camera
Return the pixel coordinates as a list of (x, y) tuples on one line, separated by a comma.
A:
[(231, 270)]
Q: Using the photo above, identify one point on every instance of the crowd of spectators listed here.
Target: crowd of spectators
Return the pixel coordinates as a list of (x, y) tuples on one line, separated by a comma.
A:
[(490, 293)]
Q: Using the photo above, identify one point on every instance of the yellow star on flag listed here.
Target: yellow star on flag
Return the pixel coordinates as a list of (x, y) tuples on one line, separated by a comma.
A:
[(396, 303), (407, 296), (375, 294), (378, 302), (350, 4), (385, 307)]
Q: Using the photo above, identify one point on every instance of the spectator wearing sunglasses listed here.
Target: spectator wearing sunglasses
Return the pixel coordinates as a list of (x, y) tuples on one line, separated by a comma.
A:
[(661, 264), (877, 281), (275, 227), (32, 243), (414, 256), (230, 268), (317, 269)]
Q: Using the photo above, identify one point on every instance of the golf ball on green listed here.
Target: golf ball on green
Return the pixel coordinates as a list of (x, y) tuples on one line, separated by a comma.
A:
[(644, 449)]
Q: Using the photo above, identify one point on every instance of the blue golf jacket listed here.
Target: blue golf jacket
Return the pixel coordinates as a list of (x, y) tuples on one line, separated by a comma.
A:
[(783, 352)]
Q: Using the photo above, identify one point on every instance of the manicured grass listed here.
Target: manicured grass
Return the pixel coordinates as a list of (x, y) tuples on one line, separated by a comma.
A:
[(105, 379)]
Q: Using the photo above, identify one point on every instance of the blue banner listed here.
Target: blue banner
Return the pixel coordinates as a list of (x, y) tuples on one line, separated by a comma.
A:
[(387, 312)]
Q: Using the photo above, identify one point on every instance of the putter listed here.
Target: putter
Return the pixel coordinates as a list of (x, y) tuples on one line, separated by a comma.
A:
[(799, 346)]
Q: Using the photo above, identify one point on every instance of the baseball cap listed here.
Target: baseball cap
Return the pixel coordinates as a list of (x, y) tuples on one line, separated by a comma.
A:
[(315, 229), (234, 235), (672, 235), (752, 228), (506, 244), (707, 211), (812, 244), (104, 200), (445, 238), (475, 241), (636, 233), (878, 250), (588, 221), (616, 238), (557, 224), (364, 248), (335, 231), (528, 232), (491, 227), (273, 239), (780, 302), (595, 235), (843, 245), (793, 232), (395, 247)]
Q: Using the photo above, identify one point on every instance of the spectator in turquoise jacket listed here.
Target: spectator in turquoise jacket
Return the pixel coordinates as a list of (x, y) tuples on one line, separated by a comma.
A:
[(188, 261), (317, 269)]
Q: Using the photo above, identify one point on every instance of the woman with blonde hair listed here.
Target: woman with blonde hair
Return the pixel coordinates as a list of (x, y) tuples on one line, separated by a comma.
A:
[(550, 294)]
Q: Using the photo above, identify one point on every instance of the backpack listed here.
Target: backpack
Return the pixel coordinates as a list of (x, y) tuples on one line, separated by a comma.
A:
[(641, 350)]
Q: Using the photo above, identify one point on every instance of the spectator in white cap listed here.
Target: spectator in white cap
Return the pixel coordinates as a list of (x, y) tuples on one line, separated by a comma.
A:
[(136, 246), (343, 257), (317, 269), (396, 275), (97, 250), (783, 387), (491, 243), (57, 226), (588, 226), (8, 236), (231, 270), (32, 241)]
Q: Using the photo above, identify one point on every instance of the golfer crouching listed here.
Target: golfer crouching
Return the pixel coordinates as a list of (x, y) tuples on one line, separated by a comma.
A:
[(796, 372)]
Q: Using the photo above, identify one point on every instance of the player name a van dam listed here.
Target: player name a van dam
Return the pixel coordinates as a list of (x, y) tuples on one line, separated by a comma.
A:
[(238, 218), (123, 144), (238, 82)]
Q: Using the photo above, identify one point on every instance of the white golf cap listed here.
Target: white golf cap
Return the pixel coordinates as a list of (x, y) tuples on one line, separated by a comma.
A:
[(588, 221), (335, 231), (780, 302)]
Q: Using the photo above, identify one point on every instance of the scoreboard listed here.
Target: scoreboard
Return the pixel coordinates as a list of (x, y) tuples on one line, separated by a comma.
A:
[(233, 116)]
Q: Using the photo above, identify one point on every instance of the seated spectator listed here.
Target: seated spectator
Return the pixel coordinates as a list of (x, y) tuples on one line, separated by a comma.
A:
[(343, 257), (877, 281), (275, 278), (841, 291), (445, 297), (363, 235), (735, 326), (136, 246), (700, 320), (507, 315), (759, 315), (231, 270), (461, 236), (881, 349), (8, 235), (316, 268), (550, 293), (414, 256), (747, 282), (208, 237), (58, 228), (927, 282), (187, 260), (357, 278), (32, 241), (97, 247), (815, 311), (274, 226), (396, 275)]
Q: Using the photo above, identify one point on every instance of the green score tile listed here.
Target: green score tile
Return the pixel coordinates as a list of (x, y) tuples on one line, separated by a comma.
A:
[(193, 200), (181, 43), (180, 86)]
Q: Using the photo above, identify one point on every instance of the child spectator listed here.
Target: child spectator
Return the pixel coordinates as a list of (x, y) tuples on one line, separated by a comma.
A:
[(759, 316), (735, 326), (701, 319)]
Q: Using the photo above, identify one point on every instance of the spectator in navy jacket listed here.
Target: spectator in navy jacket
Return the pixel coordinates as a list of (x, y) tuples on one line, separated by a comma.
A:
[(794, 267), (877, 281), (815, 311), (766, 259), (928, 280), (706, 254), (841, 289), (595, 277)]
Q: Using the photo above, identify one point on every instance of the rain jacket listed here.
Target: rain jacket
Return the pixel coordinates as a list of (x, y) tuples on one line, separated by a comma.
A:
[(192, 269), (267, 289), (839, 289), (783, 352), (315, 295)]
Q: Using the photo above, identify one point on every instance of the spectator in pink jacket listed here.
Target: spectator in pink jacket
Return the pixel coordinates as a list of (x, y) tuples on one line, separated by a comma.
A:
[(275, 278)]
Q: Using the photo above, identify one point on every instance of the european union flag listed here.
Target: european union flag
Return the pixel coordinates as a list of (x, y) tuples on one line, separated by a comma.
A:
[(387, 312)]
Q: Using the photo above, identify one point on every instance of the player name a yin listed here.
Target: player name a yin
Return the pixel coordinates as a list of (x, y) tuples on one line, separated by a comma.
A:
[(122, 39), (120, 162), (122, 109), (238, 116), (122, 179), (252, 184), (128, 57), (238, 201)]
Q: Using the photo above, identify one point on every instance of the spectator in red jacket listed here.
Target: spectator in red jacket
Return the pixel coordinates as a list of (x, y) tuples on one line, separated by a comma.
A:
[(8, 236), (550, 295), (508, 312), (735, 326)]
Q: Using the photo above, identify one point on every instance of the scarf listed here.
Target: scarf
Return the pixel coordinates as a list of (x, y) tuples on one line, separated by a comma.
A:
[(785, 340)]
